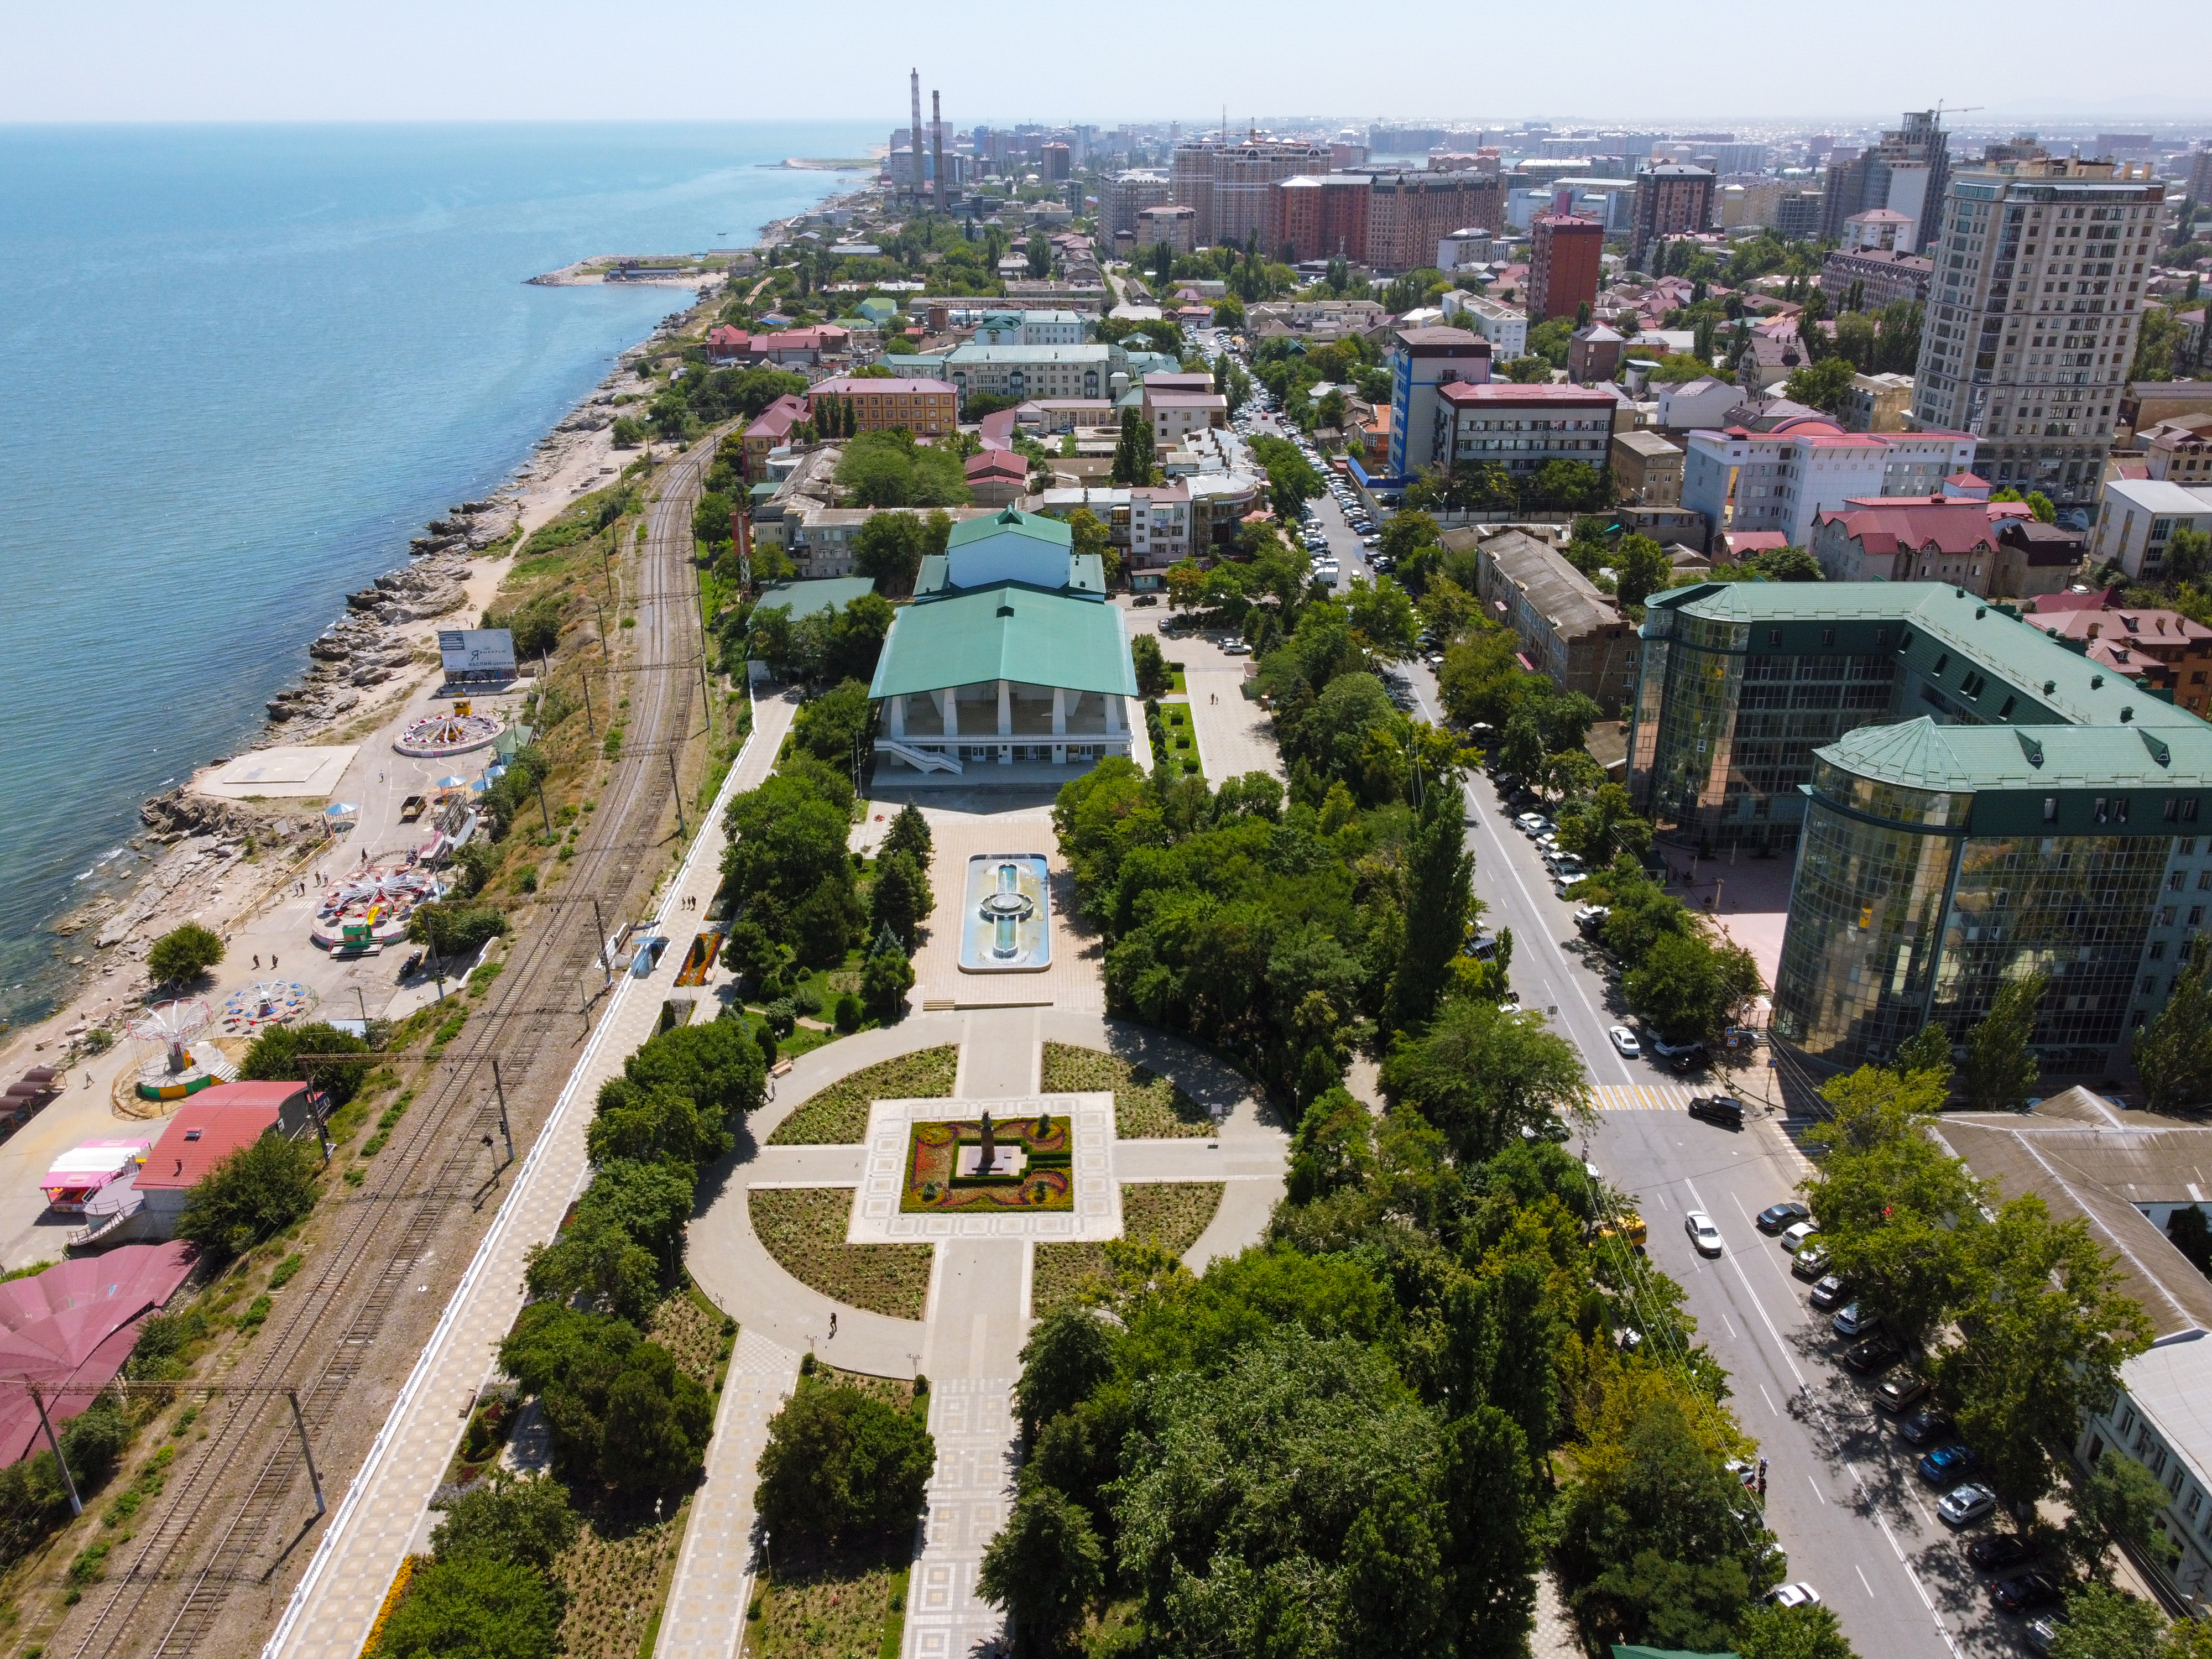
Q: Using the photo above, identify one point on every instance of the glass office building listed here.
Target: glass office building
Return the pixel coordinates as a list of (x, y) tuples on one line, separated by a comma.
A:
[(1971, 801)]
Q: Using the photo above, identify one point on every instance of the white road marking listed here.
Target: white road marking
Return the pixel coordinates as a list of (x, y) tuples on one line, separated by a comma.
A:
[(1861, 1571), (1817, 1492), (1733, 1335), (1779, 1347), (1769, 1399)]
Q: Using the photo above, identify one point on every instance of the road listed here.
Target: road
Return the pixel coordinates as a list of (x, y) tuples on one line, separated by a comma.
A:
[(1842, 1497)]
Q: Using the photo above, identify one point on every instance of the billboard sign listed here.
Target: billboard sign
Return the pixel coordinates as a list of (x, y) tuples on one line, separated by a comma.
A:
[(477, 653)]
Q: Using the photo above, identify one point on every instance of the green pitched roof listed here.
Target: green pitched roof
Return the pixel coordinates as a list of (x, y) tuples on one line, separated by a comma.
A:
[(1962, 759), (1011, 521), (2081, 691), (1008, 632)]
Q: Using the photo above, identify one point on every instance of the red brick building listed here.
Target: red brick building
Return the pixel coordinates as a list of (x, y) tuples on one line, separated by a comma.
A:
[(1324, 216), (923, 407), (1563, 265)]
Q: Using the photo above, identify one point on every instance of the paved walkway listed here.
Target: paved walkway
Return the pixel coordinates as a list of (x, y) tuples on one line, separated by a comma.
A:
[(1234, 736), (382, 1514)]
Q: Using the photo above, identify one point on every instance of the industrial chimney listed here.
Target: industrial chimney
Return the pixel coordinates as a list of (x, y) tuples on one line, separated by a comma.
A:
[(913, 89)]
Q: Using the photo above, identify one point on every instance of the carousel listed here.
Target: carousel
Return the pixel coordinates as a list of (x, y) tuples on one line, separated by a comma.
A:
[(367, 908)]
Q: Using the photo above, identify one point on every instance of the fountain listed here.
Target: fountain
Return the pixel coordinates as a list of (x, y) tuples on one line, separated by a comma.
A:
[(1007, 923)]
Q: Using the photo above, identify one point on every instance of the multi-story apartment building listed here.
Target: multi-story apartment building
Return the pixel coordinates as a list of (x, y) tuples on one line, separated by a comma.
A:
[(1568, 628), (1409, 213), (923, 407), (1522, 427), (1564, 265), (1970, 800), (1021, 371), (2032, 321), (1032, 328), (1780, 478), (1423, 360), (1322, 216), (1907, 171), (2137, 519), (1880, 277), (2160, 649), (1647, 469), (1230, 186), (1123, 198), (1506, 327), (1171, 223), (1670, 198), (1879, 403)]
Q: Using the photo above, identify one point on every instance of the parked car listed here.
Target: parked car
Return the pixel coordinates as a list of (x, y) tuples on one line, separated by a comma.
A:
[(1873, 1357), (1811, 1262), (2025, 1590), (1775, 1217), (1531, 823), (1624, 1040), (1928, 1423), (1702, 1232), (1798, 1595), (1962, 1506), (2041, 1635), (1235, 649), (1900, 1389), (1145, 600), (1723, 1109), (1947, 1464), (1856, 1321), (1680, 1055), (1996, 1551), (1829, 1290), (1794, 1237)]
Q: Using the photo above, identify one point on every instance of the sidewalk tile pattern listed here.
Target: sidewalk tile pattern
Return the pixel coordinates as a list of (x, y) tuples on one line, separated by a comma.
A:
[(877, 1219), (972, 1418)]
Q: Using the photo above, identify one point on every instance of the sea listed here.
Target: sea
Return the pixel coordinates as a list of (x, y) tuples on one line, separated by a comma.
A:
[(244, 365)]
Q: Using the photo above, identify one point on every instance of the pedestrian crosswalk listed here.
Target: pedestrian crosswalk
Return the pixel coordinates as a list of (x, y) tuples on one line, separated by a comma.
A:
[(1641, 1097)]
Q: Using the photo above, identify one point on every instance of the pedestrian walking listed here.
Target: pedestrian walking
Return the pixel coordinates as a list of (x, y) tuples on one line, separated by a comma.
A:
[(272, 962), (257, 964), (833, 1322)]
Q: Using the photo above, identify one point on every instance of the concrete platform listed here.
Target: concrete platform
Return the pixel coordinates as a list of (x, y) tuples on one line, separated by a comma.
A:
[(280, 774)]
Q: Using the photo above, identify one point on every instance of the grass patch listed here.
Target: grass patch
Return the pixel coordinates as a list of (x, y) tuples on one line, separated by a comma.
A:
[(689, 1327), (804, 1228), (838, 1115), (849, 1605), (1171, 1214), (480, 979), (1146, 1106)]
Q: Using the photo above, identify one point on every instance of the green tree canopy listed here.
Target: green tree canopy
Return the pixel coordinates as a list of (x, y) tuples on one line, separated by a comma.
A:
[(273, 1058), (526, 1521), (842, 1465), (183, 954), (254, 1193), (1481, 1074), (472, 1607)]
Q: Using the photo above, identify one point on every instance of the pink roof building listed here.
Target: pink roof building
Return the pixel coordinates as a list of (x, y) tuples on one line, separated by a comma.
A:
[(69, 1329)]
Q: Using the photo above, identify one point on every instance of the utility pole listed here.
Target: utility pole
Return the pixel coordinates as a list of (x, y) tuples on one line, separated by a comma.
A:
[(542, 812), (607, 968), (314, 1476), (499, 1094), (590, 729), (76, 1504), (676, 788)]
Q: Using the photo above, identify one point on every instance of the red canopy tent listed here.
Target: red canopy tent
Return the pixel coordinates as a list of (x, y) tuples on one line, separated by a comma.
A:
[(69, 1329)]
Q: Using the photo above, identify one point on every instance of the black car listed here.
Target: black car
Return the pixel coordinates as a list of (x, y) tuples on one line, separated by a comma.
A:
[(2025, 1590), (1775, 1217), (1723, 1109), (1875, 1355), (1996, 1552), (1926, 1425)]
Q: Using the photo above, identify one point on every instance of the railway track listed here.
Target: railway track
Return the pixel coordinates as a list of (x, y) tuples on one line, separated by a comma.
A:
[(226, 1518)]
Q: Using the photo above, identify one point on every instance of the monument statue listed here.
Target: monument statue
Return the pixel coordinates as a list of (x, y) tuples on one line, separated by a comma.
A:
[(990, 1148)]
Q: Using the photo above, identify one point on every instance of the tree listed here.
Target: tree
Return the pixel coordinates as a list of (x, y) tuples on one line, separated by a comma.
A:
[(1824, 385), (1641, 568), (910, 833), (1091, 537), (657, 1420), (1688, 986), (1481, 1075), (2045, 1333), (1807, 1631), (710, 1062), (1407, 533), (474, 1609), (1153, 678), (1383, 615), (710, 519), (527, 1521), (889, 550), (842, 1466), (2120, 1500), (890, 469), (455, 932), (183, 954), (594, 1259), (1601, 828), (1133, 452), (254, 1193), (1928, 1050), (885, 982), (273, 1058), (2001, 1070), (649, 1203), (2040, 505), (2187, 555), (1439, 888), (1045, 1567), (649, 1121), (900, 898), (2103, 1623), (2173, 1052)]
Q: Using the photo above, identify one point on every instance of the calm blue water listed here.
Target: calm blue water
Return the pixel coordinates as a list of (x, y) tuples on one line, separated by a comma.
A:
[(243, 366)]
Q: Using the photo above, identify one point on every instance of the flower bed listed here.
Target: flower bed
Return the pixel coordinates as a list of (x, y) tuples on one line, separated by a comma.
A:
[(1043, 1180), (838, 1115), (804, 1228), (1146, 1106), (1171, 1214), (616, 1583)]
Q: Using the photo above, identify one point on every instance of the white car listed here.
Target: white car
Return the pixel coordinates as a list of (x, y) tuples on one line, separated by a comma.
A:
[(1702, 1232), (1799, 1594), (1962, 1506), (1235, 649), (1624, 1041), (1794, 1240)]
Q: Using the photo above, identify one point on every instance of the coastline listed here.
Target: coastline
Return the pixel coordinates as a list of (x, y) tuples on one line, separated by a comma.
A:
[(217, 861)]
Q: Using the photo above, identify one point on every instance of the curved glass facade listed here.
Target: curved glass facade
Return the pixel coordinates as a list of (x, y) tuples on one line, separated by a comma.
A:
[(1866, 914)]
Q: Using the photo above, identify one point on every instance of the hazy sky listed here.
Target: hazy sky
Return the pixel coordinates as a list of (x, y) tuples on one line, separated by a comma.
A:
[(106, 60)]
